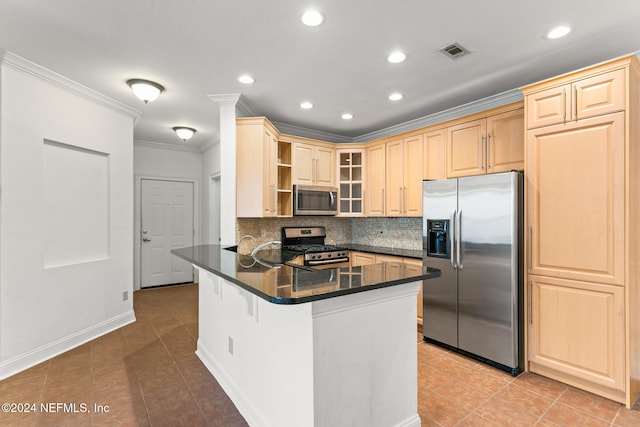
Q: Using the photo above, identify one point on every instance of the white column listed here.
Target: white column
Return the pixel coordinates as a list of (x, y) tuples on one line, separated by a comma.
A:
[(227, 103)]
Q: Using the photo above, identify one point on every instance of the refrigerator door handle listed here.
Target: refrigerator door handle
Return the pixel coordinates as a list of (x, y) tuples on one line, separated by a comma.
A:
[(458, 238), (452, 240)]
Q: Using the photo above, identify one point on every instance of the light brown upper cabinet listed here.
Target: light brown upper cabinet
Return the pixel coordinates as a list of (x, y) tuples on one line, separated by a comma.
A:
[(314, 164), (404, 177), (435, 154), (351, 167), (257, 168), (374, 195), (582, 226), (587, 97), (486, 145)]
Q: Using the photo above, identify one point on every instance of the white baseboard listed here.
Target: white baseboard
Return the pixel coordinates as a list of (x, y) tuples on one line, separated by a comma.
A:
[(250, 413), (31, 358)]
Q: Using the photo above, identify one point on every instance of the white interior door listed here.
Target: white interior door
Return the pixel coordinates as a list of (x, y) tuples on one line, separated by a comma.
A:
[(166, 224)]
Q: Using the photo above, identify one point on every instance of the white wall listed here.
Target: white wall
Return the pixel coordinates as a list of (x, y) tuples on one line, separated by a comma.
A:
[(66, 258), (210, 208), (154, 160)]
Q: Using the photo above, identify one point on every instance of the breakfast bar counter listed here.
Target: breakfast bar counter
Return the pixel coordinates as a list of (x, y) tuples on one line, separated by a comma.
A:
[(295, 346)]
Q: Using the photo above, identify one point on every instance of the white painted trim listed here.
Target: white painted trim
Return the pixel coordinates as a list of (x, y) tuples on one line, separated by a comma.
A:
[(331, 306), (137, 215), (46, 352), (246, 408), (487, 103), (245, 109), (213, 189), (226, 99), (212, 143), (24, 65), (310, 133), (165, 146)]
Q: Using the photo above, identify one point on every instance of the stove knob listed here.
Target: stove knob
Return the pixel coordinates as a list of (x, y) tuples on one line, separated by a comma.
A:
[(328, 255)]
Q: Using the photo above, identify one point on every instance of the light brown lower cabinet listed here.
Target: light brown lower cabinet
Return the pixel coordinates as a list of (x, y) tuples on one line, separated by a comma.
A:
[(365, 258), (577, 333)]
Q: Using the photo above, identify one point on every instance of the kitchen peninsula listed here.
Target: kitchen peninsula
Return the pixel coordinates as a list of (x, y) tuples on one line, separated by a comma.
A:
[(293, 346)]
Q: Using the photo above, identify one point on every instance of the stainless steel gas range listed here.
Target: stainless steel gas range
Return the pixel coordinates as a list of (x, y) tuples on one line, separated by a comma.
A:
[(310, 242)]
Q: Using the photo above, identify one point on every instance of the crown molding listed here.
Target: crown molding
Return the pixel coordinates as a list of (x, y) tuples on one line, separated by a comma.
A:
[(310, 133), (212, 143), (225, 99), (165, 146), (23, 65), (245, 109), (483, 104)]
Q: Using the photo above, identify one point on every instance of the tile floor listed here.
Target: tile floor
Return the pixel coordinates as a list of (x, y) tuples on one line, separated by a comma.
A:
[(148, 375)]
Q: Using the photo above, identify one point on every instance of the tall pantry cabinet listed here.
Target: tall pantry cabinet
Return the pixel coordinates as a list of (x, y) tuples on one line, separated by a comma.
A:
[(583, 228)]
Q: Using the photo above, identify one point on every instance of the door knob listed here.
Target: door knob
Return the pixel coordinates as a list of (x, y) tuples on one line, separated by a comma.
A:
[(144, 239)]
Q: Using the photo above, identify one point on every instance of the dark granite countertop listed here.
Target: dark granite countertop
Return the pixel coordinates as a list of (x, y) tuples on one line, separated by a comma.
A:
[(269, 277), (405, 253)]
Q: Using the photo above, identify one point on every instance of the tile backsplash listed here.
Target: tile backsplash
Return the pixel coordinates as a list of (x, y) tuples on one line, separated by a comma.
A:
[(404, 233)]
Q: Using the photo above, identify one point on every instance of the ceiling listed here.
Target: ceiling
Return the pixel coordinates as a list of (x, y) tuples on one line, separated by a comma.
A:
[(197, 48)]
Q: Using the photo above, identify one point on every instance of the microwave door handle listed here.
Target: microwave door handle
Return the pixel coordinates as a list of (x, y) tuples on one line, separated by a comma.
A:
[(332, 198)]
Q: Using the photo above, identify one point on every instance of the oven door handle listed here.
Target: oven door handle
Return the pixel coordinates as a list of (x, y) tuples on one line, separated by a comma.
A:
[(327, 261)]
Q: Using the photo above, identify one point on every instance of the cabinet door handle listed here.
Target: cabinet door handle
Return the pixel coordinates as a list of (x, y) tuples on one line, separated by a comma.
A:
[(575, 103), (382, 205), (529, 246), (404, 193), (529, 303), (488, 150), (564, 105)]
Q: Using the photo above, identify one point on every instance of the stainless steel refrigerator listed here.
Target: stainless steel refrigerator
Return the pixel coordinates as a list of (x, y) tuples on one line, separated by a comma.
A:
[(472, 232)]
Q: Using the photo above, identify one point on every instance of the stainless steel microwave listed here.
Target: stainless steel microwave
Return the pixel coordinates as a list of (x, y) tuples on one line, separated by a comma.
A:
[(315, 200)]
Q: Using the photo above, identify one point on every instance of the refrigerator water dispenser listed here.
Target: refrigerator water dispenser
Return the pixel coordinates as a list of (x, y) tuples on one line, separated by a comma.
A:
[(438, 242)]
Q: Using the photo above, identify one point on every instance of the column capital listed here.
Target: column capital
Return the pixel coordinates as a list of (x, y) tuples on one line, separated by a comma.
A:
[(225, 99)]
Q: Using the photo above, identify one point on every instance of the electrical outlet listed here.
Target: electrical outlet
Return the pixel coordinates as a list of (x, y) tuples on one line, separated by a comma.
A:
[(230, 345), (125, 295)]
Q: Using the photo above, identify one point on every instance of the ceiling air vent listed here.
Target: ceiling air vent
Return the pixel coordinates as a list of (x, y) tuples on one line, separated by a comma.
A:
[(454, 50)]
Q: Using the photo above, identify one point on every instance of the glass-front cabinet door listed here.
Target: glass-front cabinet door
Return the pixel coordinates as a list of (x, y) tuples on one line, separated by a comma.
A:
[(350, 176)]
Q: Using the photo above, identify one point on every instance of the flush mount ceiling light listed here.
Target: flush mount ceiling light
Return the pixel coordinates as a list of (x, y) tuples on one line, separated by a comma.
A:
[(146, 90), (396, 96), (183, 132), (246, 79), (347, 116), (559, 31), (396, 57), (312, 18), (306, 105)]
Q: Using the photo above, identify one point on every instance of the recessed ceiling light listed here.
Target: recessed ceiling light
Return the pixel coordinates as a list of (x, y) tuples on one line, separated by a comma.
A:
[(559, 31), (396, 57), (347, 116), (396, 96), (246, 79), (312, 18), (306, 105)]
